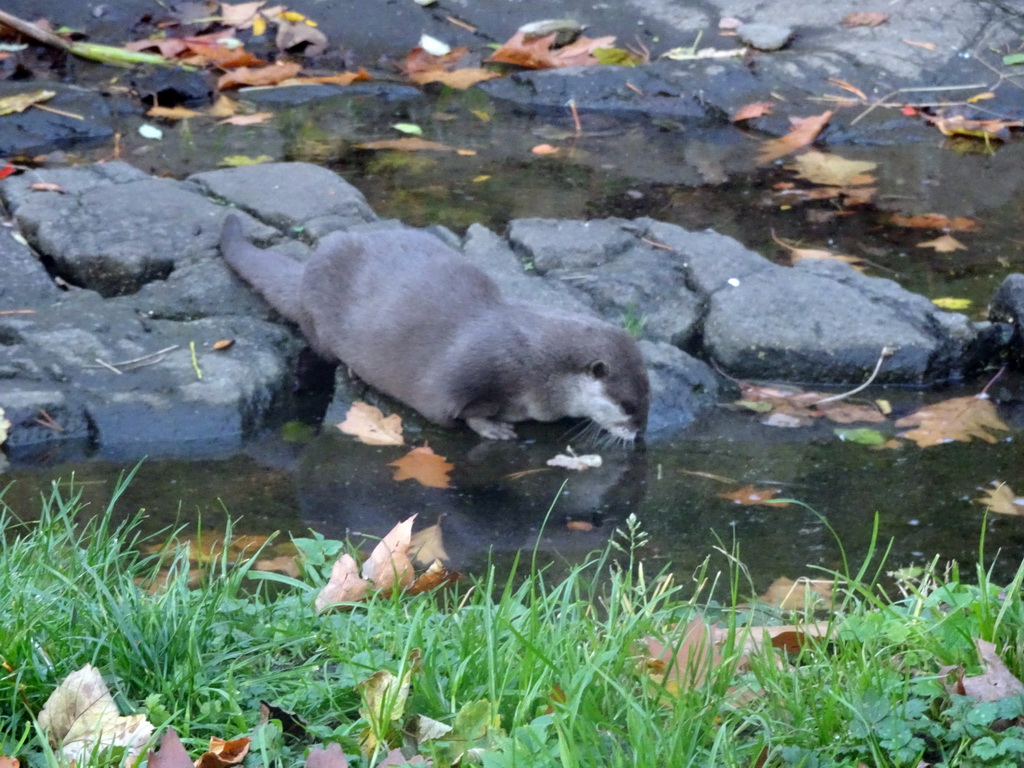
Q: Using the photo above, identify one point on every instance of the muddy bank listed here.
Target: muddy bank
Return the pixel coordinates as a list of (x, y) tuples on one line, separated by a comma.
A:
[(117, 297)]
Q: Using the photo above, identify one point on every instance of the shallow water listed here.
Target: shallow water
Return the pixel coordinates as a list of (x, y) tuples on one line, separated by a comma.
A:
[(502, 493)]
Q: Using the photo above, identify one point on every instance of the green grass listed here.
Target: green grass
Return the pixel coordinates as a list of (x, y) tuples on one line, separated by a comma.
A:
[(530, 671)]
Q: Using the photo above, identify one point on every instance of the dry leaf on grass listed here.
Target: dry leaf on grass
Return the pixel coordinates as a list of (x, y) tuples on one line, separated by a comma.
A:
[(960, 419), (683, 662), (172, 753), (223, 752), (344, 586), (369, 425), (995, 683), (803, 131), (80, 717), (331, 756), (389, 565), (796, 595)]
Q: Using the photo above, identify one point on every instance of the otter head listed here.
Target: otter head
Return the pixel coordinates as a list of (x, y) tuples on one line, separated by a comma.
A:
[(613, 390)]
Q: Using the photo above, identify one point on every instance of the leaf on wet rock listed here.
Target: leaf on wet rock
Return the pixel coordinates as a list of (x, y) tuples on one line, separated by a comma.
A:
[(423, 67), (341, 78), (833, 170), (293, 34), (755, 109), (748, 495), (952, 303), (240, 15), (799, 254), (539, 53), (865, 19), (960, 419), (271, 75), (80, 717), (22, 101), (944, 244), (803, 131), (370, 426), (936, 221), (424, 466), (1002, 500), (172, 113)]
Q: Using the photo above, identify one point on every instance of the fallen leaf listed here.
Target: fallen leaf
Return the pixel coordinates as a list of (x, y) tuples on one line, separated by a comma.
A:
[(798, 254), (201, 53), (292, 34), (459, 78), (370, 426), (803, 131), (223, 107), (236, 161), (223, 344), (862, 436), (544, 149), (995, 683), (240, 15), (271, 75), (292, 723), (384, 696), (172, 753), (865, 19), (223, 752), (282, 564), (344, 585), (790, 595), (944, 244), (47, 186), (424, 466), (748, 495), (330, 757), (683, 662), (959, 419), (579, 525), (388, 565), (407, 144), (936, 221), (986, 130), (538, 52), (926, 46), (80, 717), (435, 576), (427, 545), (750, 111), (341, 78), (952, 303), (825, 168), (13, 762), (1002, 500), (172, 113), (22, 101), (570, 460), (254, 119)]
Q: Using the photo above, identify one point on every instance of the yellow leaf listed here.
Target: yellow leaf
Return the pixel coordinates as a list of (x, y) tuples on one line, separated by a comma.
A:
[(796, 595), (960, 419), (948, 302), (944, 244), (22, 101), (370, 426), (344, 586), (833, 170), (259, 26), (1002, 500), (424, 466)]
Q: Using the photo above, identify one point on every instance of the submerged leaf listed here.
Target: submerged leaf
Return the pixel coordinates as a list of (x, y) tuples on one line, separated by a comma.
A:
[(959, 419)]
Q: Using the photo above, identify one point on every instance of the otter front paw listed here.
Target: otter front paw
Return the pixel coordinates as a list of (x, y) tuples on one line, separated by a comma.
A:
[(492, 430)]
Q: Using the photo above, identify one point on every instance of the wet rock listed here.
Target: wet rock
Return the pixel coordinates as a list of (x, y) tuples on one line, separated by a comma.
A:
[(765, 37), (124, 373), (1007, 308), (85, 120), (290, 196)]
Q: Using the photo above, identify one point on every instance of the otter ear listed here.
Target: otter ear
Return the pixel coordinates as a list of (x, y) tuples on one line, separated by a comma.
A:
[(599, 369)]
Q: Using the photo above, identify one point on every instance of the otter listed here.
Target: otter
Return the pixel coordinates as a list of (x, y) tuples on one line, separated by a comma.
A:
[(412, 318)]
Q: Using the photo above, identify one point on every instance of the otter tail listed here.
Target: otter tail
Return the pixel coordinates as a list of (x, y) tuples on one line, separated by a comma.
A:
[(274, 275)]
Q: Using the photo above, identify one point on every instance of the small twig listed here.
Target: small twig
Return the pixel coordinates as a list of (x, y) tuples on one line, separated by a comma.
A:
[(195, 360), (886, 352), (137, 362), (58, 111), (34, 31), (108, 366), (881, 102), (48, 421), (575, 116), (17, 311), (656, 244), (992, 381)]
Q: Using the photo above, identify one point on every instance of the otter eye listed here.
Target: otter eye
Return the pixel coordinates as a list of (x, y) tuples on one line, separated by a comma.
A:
[(599, 369), (629, 408)]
